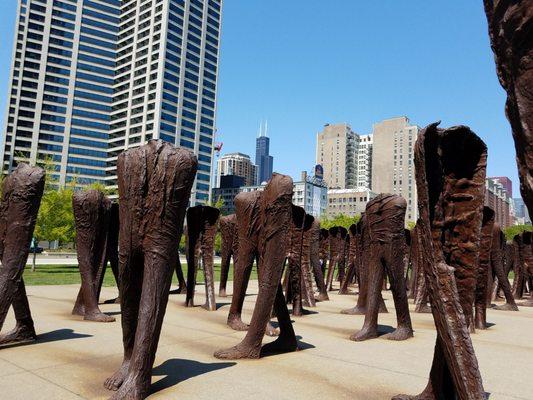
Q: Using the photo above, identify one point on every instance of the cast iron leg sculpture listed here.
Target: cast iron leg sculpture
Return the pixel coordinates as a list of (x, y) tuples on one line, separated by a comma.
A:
[(496, 258), (230, 242), (154, 184), (316, 254), (483, 268), (275, 216), (308, 296), (450, 176), (21, 196), (385, 216), (352, 256), (295, 259), (92, 212)]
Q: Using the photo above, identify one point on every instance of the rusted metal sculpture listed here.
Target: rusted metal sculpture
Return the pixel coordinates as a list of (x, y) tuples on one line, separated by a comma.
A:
[(450, 176), (351, 259), (419, 288), (318, 254), (510, 23), (337, 242), (112, 249), (363, 255), (154, 185), (518, 266), (306, 287), (385, 216), (487, 226), (21, 197), (92, 216), (294, 260), (526, 268), (201, 232), (498, 269), (229, 248), (273, 230)]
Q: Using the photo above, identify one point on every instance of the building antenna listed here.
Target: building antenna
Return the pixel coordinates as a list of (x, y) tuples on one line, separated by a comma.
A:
[(260, 129), (266, 128)]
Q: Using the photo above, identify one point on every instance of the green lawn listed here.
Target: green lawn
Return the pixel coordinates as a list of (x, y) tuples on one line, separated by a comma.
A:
[(67, 275)]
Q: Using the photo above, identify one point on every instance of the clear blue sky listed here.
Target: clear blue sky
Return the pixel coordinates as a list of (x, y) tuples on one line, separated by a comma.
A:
[(303, 63)]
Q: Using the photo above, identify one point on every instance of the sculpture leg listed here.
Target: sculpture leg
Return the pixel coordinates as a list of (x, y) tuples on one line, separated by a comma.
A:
[(241, 277), (24, 330), (224, 271), (193, 241), (350, 275), (375, 281), (395, 271), (156, 282), (208, 249), (321, 285), (131, 270), (182, 285)]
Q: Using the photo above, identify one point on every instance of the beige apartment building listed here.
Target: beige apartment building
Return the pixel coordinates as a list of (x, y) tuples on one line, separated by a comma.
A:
[(350, 202), (236, 164), (393, 169), (335, 151)]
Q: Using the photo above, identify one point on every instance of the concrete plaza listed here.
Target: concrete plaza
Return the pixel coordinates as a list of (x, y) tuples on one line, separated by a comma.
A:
[(72, 357)]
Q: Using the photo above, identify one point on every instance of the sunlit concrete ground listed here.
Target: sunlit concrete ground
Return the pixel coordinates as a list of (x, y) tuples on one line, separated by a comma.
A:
[(73, 357)]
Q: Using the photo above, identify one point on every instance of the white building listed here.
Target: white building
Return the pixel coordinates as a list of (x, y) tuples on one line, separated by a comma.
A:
[(236, 164), (350, 202)]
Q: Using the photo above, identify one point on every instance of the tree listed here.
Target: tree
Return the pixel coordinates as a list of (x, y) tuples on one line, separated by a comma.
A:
[(511, 231), (339, 220), (55, 220)]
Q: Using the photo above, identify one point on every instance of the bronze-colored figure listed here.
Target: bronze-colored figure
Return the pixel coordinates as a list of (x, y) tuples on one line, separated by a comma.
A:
[(352, 259), (201, 232), (420, 292), (498, 269), (337, 242), (273, 230), (154, 185), (316, 259), (487, 227), (385, 216), (307, 293), (450, 175), (22, 191), (526, 269), (510, 24), (112, 249), (229, 247), (294, 260), (92, 216)]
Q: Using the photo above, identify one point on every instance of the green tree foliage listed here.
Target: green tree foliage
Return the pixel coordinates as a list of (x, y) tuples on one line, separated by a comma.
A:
[(339, 220), (511, 231), (55, 220)]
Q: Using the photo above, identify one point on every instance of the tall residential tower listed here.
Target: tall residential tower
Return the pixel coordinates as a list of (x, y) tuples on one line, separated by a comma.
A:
[(91, 78)]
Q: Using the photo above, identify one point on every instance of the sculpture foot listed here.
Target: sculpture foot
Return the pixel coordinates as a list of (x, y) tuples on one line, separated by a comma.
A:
[(132, 389), (239, 352), (398, 334), (423, 309), (271, 331), (222, 293), (235, 323), (282, 344), (179, 290), (364, 334), (189, 303), (99, 317), (209, 307), (346, 292), (20, 334), (506, 307), (113, 301), (114, 382), (354, 311), (322, 297), (79, 310)]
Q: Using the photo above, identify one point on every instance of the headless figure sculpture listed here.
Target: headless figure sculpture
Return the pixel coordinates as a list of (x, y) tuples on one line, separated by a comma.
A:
[(337, 241), (307, 294), (294, 258), (22, 191), (230, 245), (527, 266), (92, 215), (201, 230), (385, 216), (272, 228), (363, 255), (487, 227), (247, 207), (498, 269), (450, 176), (323, 253), (352, 259), (154, 185)]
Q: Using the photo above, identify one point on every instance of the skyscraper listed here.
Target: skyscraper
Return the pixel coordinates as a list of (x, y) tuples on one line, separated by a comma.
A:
[(236, 164), (263, 159), (91, 78)]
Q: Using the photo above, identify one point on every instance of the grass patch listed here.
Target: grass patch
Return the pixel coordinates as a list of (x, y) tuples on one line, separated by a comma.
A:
[(70, 275)]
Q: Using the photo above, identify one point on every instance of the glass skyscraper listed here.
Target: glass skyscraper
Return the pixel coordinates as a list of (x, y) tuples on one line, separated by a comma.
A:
[(91, 78), (263, 159)]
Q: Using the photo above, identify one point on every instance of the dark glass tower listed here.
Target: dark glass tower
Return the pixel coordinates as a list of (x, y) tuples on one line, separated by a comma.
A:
[(263, 159)]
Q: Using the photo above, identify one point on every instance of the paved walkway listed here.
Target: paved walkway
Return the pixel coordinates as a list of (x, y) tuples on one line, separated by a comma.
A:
[(73, 357)]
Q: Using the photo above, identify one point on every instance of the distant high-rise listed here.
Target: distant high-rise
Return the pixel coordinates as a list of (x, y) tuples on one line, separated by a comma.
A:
[(263, 159), (393, 169), (237, 164), (91, 78)]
